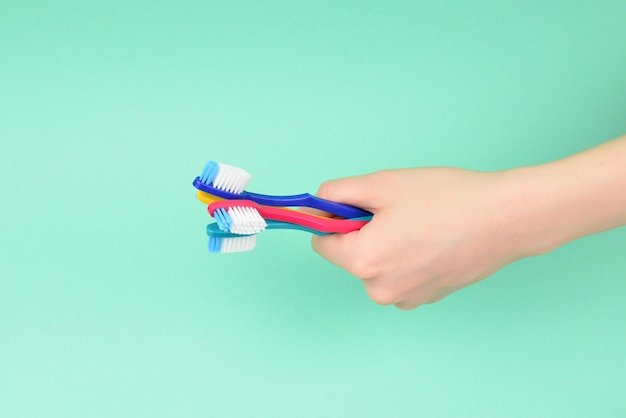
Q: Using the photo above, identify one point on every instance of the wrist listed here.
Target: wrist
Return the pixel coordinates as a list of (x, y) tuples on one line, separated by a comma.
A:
[(567, 199), (534, 211)]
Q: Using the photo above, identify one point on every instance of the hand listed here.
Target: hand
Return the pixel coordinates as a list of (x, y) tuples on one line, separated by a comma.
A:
[(434, 231), (437, 230)]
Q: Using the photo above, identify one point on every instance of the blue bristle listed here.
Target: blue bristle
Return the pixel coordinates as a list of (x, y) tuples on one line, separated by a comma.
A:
[(215, 245), (209, 172), (223, 219)]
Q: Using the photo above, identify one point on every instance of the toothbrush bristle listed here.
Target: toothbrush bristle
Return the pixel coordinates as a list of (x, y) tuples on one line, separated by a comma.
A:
[(228, 178), (244, 220), (224, 221), (219, 245), (209, 172)]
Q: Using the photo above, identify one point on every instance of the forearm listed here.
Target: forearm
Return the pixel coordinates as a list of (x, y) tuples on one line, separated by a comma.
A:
[(573, 197)]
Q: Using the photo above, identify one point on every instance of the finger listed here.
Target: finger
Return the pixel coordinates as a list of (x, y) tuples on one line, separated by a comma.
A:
[(361, 191), (338, 249), (414, 302), (422, 295), (354, 191), (380, 291)]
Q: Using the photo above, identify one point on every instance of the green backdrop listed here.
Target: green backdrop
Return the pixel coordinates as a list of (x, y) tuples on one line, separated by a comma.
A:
[(110, 304)]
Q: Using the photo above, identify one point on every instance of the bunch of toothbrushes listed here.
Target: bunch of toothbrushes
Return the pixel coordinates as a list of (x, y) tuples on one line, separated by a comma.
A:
[(240, 215)]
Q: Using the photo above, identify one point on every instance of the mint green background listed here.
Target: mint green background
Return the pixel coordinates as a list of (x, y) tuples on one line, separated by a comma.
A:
[(110, 305)]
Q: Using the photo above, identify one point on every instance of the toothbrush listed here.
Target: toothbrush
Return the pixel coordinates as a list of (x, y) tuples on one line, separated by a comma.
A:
[(247, 217), (227, 242), (209, 198), (229, 182), (212, 229)]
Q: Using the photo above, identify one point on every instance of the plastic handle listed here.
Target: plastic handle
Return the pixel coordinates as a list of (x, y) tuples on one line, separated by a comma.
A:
[(317, 223), (304, 199), (213, 229)]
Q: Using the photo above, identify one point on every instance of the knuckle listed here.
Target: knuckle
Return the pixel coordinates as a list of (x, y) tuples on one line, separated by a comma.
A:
[(362, 268), (405, 306), (325, 189), (383, 295), (316, 244)]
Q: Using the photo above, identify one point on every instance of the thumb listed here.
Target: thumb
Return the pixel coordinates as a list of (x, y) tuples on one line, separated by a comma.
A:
[(361, 191)]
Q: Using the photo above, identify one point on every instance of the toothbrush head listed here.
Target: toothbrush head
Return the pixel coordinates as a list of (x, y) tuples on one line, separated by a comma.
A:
[(221, 242), (224, 177), (241, 220), (238, 244)]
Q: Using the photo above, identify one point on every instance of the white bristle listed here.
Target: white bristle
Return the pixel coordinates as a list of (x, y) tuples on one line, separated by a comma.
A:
[(246, 220), (238, 244), (231, 179)]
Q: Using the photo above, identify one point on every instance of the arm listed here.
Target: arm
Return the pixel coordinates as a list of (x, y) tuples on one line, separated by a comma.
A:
[(437, 230), (576, 196)]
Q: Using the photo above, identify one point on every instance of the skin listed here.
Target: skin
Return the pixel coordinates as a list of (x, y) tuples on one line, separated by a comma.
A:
[(439, 229)]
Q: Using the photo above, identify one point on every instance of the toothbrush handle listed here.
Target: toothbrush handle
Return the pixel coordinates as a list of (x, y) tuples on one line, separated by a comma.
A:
[(298, 227), (342, 226), (307, 200), (213, 230), (304, 199), (294, 227)]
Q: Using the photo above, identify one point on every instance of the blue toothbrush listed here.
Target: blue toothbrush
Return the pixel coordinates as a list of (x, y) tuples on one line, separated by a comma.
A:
[(229, 182)]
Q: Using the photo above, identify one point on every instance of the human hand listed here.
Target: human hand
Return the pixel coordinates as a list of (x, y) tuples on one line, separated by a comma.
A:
[(437, 230), (434, 231)]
